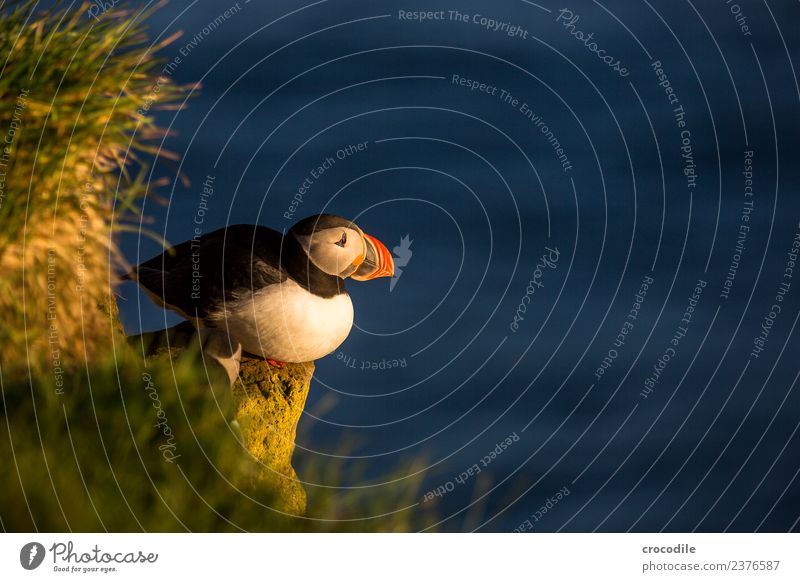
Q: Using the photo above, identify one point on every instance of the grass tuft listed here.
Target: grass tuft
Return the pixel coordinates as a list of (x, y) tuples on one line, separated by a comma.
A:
[(76, 102)]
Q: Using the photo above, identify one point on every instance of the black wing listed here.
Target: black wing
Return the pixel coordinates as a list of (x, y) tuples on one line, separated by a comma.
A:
[(196, 276)]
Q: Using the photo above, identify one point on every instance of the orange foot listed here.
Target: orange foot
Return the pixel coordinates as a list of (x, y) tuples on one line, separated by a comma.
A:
[(276, 363)]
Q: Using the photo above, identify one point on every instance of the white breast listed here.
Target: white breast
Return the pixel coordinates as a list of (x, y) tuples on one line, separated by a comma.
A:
[(288, 323)]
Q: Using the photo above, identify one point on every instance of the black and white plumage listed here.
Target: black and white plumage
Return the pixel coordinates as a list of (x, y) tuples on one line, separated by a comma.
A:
[(281, 297)]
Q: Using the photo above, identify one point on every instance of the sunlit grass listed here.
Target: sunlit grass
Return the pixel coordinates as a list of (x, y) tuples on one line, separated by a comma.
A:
[(73, 144)]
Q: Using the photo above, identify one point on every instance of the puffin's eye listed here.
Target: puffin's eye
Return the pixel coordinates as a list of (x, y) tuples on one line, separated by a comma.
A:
[(342, 241)]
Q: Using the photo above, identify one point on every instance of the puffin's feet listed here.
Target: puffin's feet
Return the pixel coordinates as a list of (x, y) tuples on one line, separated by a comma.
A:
[(275, 363)]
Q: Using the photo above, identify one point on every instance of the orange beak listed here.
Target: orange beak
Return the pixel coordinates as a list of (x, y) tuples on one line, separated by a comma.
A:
[(377, 262)]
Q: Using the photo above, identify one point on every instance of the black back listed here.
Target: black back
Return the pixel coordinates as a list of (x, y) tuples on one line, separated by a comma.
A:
[(198, 276)]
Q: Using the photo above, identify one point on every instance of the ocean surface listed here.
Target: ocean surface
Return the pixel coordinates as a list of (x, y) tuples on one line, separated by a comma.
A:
[(595, 325)]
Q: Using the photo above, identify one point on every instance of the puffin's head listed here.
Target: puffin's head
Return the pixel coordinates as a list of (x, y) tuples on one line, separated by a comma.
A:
[(338, 247)]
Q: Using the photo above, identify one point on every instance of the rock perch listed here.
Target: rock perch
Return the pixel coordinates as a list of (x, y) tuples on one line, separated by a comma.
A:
[(267, 405)]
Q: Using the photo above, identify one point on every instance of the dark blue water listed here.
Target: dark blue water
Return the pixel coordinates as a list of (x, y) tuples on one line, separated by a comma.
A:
[(617, 174)]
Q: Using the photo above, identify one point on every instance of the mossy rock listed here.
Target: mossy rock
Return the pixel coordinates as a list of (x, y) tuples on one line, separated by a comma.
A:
[(268, 403)]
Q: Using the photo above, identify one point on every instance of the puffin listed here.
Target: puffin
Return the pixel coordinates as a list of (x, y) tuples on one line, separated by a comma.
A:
[(282, 297)]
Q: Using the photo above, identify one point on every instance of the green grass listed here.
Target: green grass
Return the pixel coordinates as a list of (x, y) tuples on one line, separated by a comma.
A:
[(92, 458)]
